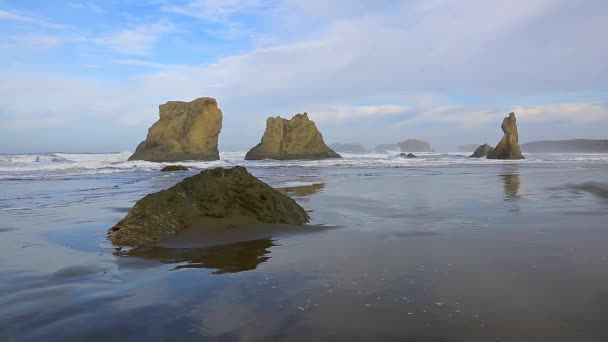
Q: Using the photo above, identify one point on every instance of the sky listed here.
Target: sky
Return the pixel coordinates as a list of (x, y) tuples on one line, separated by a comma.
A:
[(88, 76)]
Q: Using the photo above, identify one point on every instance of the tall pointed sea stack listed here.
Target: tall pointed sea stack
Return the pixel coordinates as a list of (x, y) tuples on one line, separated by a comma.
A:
[(508, 147), (185, 131), (297, 138)]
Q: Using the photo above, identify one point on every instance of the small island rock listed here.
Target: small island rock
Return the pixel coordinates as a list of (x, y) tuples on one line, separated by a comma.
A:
[(185, 131), (297, 138), (213, 196), (170, 168), (415, 145), (508, 147), (408, 155), (482, 151)]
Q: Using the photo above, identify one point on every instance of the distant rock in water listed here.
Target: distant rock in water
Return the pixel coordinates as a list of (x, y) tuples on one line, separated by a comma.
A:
[(213, 196), (348, 148), (567, 146), (408, 155), (508, 147), (387, 147), (467, 147), (185, 131), (297, 138), (482, 151), (414, 145), (171, 168)]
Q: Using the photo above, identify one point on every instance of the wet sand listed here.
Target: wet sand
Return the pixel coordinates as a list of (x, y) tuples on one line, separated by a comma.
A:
[(506, 252)]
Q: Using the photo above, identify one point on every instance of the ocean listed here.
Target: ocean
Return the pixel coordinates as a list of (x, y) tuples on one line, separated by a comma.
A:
[(438, 248)]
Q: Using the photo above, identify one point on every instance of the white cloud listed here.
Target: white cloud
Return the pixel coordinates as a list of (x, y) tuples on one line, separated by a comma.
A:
[(139, 40), (216, 10), (86, 5), (7, 15), (585, 113)]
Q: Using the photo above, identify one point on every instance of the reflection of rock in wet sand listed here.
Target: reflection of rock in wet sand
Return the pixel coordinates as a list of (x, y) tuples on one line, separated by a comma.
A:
[(511, 183), (227, 258), (303, 190), (595, 188)]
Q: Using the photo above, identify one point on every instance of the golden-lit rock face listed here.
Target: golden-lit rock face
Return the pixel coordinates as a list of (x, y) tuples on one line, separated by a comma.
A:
[(185, 131), (508, 147), (297, 138)]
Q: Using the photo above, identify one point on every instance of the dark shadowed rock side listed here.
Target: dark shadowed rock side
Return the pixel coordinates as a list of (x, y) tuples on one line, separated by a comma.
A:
[(408, 155), (348, 148), (185, 131), (217, 196), (297, 138), (567, 146), (414, 145), (171, 168), (482, 151), (508, 147)]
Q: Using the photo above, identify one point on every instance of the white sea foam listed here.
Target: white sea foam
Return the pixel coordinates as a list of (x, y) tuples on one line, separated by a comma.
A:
[(70, 164)]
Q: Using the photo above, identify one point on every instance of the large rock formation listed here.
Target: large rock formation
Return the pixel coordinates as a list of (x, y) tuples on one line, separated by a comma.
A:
[(482, 151), (185, 131), (218, 196), (297, 138), (348, 148), (414, 145), (567, 146), (508, 148)]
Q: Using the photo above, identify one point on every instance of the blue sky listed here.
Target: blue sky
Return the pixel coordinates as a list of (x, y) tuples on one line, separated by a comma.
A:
[(89, 75)]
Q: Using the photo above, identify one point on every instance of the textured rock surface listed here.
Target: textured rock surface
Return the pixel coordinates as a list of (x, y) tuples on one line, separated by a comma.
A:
[(348, 148), (508, 147), (414, 145), (213, 196), (408, 155), (297, 138), (185, 131), (482, 151), (567, 146), (170, 168)]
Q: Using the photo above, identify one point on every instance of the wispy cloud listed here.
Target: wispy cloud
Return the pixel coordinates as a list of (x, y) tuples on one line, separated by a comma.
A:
[(216, 10), (139, 40), (86, 6), (14, 16)]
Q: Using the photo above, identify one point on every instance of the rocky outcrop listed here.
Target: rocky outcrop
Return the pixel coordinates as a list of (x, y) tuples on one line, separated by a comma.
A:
[(508, 147), (297, 138), (414, 145), (348, 148), (185, 131), (482, 151), (408, 155), (171, 168), (217, 196), (567, 146)]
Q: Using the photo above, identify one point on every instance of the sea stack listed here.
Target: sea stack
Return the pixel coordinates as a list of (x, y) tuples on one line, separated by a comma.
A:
[(213, 197), (297, 138), (185, 131), (415, 145), (508, 147), (482, 151)]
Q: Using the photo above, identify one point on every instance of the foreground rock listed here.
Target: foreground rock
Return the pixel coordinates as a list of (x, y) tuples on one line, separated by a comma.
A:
[(414, 145), (409, 155), (348, 148), (185, 131), (217, 196), (508, 147), (297, 138), (171, 168), (567, 146), (482, 151)]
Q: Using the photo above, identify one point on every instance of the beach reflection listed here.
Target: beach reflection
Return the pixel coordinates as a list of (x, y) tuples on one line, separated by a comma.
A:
[(303, 190), (226, 258), (512, 184)]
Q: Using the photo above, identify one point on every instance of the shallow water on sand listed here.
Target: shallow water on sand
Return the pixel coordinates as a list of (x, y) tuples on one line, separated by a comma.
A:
[(442, 248)]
